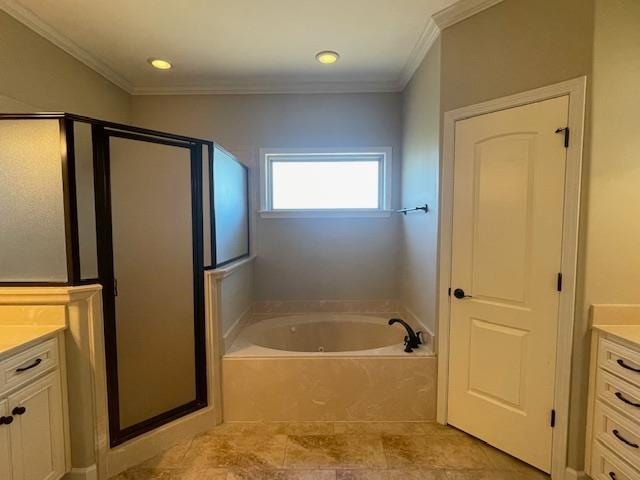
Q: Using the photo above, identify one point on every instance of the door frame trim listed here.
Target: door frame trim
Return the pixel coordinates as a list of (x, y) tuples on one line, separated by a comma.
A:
[(576, 90)]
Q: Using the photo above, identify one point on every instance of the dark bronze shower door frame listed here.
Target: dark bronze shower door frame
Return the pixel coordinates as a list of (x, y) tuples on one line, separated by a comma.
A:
[(101, 131), (102, 181)]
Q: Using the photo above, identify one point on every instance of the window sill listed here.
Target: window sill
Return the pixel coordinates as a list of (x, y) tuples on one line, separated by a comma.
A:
[(325, 213)]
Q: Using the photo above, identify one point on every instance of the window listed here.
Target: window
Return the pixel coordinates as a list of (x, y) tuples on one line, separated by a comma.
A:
[(325, 183)]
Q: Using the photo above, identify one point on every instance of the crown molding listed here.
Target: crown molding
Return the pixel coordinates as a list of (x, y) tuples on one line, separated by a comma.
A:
[(35, 23), (457, 12), (460, 11), (451, 15), (243, 88), (426, 40)]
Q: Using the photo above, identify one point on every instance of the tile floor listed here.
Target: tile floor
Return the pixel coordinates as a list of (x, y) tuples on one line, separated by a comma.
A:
[(332, 451)]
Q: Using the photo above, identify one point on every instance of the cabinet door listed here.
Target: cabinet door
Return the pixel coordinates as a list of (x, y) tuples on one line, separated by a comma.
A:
[(5, 449), (37, 433)]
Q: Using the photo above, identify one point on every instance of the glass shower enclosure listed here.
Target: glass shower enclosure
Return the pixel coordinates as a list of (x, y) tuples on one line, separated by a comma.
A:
[(142, 212)]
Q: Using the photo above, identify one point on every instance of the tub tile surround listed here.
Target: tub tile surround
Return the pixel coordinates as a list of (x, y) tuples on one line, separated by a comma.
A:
[(230, 336), (332, 451), (378, 384), (329, 389), (325, 306)]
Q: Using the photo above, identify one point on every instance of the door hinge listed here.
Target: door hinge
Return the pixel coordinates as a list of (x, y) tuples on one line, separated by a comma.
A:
[(449, 291), (559, 282), (566, 132), (552, 421), (115, 287)]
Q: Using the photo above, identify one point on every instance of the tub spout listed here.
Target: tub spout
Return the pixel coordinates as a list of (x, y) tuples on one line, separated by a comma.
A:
[(411, 340)]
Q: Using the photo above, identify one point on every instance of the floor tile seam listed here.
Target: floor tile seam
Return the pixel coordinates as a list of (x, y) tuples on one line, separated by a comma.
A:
[(186, 450), (286, 451)]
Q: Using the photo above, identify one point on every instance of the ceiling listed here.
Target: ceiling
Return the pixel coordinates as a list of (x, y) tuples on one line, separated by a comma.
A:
[(223, 46)]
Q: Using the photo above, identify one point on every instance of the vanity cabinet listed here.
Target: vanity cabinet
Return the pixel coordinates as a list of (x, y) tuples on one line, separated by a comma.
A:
[(5, 450), (32, 415), (613, 427)]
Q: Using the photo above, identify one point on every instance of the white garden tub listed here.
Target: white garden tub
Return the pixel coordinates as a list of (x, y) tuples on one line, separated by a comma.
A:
[(327, 367)]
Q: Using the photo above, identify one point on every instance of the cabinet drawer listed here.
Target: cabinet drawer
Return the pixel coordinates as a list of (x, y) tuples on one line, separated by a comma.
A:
[(24, 366), (605, 465), (617, 432), (619, 360), (619, 393)]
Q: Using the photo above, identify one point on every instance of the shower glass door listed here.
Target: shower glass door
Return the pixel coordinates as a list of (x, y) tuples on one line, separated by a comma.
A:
[(151, 265)]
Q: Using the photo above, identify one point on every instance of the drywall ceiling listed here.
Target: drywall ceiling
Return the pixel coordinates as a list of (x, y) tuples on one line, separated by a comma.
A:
[(239, 45)]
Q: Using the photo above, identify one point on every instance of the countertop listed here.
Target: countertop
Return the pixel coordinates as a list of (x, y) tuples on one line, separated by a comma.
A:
[(17, 337), (629, 333)]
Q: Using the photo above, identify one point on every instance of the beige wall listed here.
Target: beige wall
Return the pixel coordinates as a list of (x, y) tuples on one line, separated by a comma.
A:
[(37, 75), (515, 46), (301, 258), (613, 230), (420, 169), (612, 185)]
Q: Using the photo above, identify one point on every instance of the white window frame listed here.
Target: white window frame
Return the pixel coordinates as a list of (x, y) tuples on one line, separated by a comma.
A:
[(380, 154)]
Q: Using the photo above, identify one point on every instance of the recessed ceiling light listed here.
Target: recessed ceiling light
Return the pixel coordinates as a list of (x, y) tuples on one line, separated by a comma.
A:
[(327, 57), (160, 64)]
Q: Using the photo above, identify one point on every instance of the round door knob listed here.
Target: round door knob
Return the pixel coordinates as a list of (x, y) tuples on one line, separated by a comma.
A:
[(18, 411), (459, 293)]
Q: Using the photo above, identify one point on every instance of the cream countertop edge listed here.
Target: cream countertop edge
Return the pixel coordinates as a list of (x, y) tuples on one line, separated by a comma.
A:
[(30, 315), (628, 333), (620, 321), (25, 336)]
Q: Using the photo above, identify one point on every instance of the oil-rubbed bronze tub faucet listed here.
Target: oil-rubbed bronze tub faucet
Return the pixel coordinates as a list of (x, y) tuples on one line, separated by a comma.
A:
[(412, 340)]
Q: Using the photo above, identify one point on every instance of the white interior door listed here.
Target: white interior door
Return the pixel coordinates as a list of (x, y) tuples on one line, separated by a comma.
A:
[(509, 178)]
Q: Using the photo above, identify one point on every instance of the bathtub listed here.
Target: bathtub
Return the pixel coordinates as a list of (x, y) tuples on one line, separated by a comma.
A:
[(327, 367), (323, 334)]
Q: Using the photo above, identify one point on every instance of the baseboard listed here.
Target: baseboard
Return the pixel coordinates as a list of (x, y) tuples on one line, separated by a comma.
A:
[(572, 474), (87, 473)]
